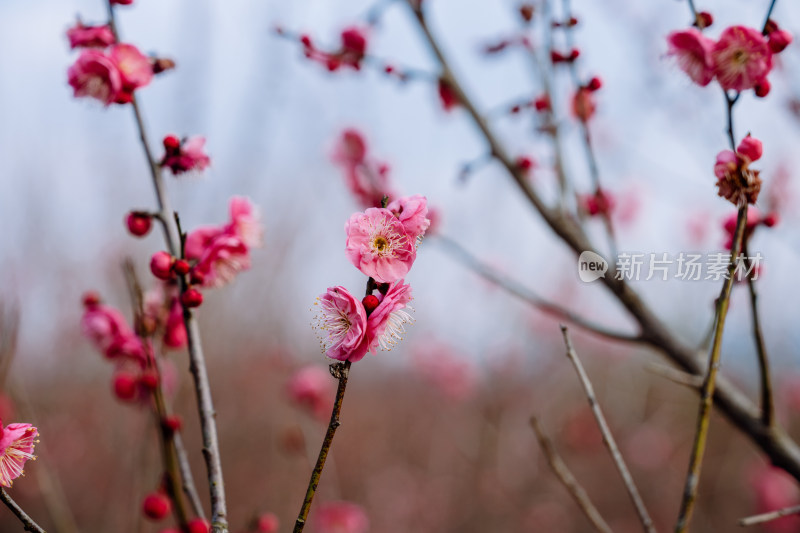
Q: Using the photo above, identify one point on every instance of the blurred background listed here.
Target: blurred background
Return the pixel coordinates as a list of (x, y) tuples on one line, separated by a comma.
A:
[(435, 433)]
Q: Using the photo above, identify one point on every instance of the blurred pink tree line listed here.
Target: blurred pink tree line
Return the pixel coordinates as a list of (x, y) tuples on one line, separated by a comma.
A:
[(449, 446)]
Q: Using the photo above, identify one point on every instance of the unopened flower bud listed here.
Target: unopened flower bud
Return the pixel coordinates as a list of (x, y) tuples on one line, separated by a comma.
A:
[(181, 267), (191, 298), (161, 265), (139, 223), (156, 506)]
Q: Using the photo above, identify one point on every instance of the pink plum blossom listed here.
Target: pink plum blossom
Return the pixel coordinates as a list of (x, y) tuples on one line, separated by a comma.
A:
[(692, 51), (378, 245), (16, 448), (741, 58), (342, 322), (341, 517), (220, 253), (110, 333), (368, 180), (778, 40), (135, 67), (310, 388), (81, 36), (412, 211), (95, 75), (186, 155), (175, 335), (447, 373), (385, 324)]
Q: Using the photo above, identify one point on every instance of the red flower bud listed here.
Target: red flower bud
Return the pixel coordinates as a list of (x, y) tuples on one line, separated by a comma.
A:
[(704, 20), (181, 267), (172, 143), (161, 265), (542, 103), (762, 88), (156, 506), (771, 219), (91, 299), (594, 84), (779, 40), (574, 54), (197, 525), (124, 385), (524, 163), (149, 380), (173, 423), (370, 303), (139, 223), (191, 298)]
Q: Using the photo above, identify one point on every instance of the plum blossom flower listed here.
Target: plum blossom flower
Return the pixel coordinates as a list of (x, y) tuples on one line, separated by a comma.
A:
[(135, 68), (341, 517), (378, 245), (95, 75), (351, 53), (412, 212), (741, 57), (600, 203), (583, 104), (385, 325), (184, 155), (222, 252), (309, 388), (450, 375), (16, 448), (81, 36), (342, 322), (110, 332), (736, 181), (175, 335), (692, 51), (447, 96), (368, 180)]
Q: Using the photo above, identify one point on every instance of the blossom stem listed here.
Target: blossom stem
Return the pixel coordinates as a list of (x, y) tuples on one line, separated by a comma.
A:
[(767, 404), (567, 479), (770, 516), (26, 520), (341, 371), (707, 391), (205, 405), (769, 14), (608, 437)]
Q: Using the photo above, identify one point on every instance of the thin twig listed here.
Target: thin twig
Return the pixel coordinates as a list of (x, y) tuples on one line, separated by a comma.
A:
[(205, 404), (341, 371), (767, 404), (26, 520), (527, 295), (707, 392), (770, 516), (608, 437), (188, 485), (681, 378), (567, 479)]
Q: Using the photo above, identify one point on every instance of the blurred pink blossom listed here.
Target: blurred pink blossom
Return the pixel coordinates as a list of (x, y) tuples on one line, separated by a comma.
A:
[(692, 51), (741, 58), (107, 328), (95, 75), (183, 156), (81, 36), (452, 376), (341, 517), (310, 388)]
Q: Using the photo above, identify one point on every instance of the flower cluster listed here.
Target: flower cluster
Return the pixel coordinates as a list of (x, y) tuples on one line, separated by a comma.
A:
[(736, 181), (382, 243), (16, 448), (110, 75), (740, 60), (367, 179), (754, 219), (183, 155), (351, 52)]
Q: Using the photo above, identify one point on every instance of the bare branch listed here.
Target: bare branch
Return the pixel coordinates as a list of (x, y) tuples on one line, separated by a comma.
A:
[(26, 520), (768, 517), (566, 477), (608, 437)]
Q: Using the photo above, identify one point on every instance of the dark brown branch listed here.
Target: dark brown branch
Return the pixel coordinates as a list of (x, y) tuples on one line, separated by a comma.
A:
[(563, 473), (341, 371), (608, 437), (767, 403), (26, 520)]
